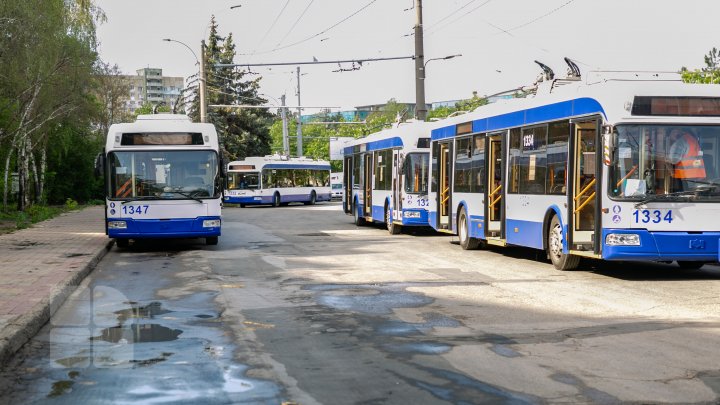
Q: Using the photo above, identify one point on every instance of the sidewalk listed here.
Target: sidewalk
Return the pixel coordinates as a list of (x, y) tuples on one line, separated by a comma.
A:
[(40, 267)]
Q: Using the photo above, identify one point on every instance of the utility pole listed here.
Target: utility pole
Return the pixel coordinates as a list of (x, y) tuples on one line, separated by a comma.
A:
[(420, 106), (299, 118), (283, 114), (203, 108)]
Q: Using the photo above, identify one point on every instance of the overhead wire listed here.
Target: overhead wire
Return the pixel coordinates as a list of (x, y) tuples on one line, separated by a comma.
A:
[(282, 10), (451, 14), (319, 33), (296, 22), (459, 18)]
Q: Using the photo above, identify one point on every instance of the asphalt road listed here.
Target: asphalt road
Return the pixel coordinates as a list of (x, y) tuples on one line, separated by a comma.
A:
[(298, 305)]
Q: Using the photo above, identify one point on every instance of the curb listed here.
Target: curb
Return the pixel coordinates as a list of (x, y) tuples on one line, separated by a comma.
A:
[(26, 326)]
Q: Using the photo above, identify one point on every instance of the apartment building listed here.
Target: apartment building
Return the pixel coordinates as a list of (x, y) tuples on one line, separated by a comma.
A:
[(150, 86)]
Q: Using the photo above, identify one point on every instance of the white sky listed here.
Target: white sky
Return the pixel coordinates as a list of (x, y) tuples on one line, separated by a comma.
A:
[(600, 34)]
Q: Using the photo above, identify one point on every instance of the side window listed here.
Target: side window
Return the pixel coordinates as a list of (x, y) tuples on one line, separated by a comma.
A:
[(383, 170), (515, 151), (478, 164), (533, 160), (557, 157), (463, 165)]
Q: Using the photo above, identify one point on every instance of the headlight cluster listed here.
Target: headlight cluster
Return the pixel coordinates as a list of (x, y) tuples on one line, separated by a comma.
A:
[(211, 223), (117, 225), (622, 239)]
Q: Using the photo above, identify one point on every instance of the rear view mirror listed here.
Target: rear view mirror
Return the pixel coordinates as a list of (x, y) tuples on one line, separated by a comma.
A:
[(100, 165)]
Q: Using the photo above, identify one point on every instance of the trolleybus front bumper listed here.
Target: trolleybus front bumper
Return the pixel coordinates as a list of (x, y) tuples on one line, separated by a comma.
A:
[(415, 217), (164, 228), (643, 245)]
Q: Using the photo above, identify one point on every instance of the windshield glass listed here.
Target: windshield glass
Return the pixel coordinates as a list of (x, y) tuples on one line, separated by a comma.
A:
[(337, 186), (672, 162), (162, 174), (243, 181), (416, 172)]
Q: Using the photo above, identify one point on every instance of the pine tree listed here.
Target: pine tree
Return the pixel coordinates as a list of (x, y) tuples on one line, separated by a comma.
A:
[(243, 132)]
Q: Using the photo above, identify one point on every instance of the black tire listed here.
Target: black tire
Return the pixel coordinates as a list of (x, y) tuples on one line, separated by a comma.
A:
[(276, 200), (560, 260), (466, 242), (393, 228), (359, 221), (242, 205), (211, 240), (122, 242), (313, 198), (685, 265)]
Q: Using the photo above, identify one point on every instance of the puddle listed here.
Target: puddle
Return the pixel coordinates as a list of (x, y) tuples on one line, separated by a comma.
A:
[(148, 311), (60, 388), (505, 351), (432, 320), (418, 348), (141, 333), (75, 361), (75, 254)]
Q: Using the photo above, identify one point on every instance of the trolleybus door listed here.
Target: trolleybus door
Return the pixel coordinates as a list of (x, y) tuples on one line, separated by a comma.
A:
[(396, 185), (368, 185), (584, 196), (348, 180), (444, 182), (494, 188)]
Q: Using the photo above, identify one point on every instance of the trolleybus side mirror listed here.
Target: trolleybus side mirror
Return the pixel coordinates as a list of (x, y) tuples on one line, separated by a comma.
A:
[(99, 164), (608, 138)]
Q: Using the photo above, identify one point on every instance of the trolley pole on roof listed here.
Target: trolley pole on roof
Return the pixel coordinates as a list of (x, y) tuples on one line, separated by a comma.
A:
[(283, 114), (420, 106), (299, 118)]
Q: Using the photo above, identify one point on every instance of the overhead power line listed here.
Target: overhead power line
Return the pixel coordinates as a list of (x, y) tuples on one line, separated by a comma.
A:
[(460, 17), (319, 62), (553, 11), (273, 24), (319, 33), (295, 23), (451, 14)]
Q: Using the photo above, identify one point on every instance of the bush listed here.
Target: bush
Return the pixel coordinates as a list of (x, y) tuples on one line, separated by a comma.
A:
[(71, 204)]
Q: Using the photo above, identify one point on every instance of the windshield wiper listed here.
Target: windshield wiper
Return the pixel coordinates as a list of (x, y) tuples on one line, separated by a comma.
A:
[(656, 197), (139, 198), (185, 195)]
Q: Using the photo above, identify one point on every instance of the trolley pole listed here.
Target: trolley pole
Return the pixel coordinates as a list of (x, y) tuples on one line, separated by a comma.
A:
[(420, 106), (299, 118), (283, 114), (203, 107)]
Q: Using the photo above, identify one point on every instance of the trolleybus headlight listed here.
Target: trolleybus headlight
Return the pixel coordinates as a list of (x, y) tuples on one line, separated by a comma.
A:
[(622, 239), (117, 225), (211, 223)]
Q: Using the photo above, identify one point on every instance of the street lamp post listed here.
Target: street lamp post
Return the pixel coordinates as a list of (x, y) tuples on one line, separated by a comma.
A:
[(420, 107), (201, 63)]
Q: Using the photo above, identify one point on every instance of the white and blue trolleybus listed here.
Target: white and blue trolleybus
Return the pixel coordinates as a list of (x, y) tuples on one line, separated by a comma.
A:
[(386, 176), (616, 170), (277, 180), (162, 176)]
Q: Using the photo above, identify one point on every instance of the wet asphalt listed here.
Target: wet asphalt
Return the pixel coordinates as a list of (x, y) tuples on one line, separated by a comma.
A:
[(298, 305)]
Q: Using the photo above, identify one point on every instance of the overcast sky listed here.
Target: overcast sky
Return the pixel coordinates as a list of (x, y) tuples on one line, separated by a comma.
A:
[(498, 40)]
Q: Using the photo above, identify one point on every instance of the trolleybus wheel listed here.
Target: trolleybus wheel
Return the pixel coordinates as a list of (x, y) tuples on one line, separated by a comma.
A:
[(313, 198), (359, 221), (690, 265), (466, 242), (276, 200), (242, 205), (122, 242), (393, 228), (560, 260), (211, 240)]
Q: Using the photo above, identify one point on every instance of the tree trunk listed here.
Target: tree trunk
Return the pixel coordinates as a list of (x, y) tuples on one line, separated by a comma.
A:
[(11, 149), (43, 168), (36, 177)]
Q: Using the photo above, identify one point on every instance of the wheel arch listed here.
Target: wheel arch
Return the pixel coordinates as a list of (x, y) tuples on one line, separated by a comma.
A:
[(461, 205), (553, 211)]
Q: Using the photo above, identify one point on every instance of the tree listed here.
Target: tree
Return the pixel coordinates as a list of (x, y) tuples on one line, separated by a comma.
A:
[(46, 60), (462, 105), (710, 74), (243, 132), (112, 92)]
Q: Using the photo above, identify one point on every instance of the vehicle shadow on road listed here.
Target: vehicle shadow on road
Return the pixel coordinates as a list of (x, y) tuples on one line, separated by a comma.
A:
[(164, 245)]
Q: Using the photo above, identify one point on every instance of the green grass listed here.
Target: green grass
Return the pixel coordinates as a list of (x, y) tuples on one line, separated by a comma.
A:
[(13, 220)]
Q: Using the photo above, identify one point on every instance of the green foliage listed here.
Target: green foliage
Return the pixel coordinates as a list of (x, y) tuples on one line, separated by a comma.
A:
[(710, 74), (71, 204), (34, 214), (463, 105), (243, 132)]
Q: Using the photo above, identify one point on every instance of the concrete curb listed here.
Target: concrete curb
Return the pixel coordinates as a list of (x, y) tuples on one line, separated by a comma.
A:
[(26, 326)]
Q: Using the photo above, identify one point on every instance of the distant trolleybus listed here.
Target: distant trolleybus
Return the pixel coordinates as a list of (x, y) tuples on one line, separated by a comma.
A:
[(618, 170), (386, 175), (277, 180), (163, 179)]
